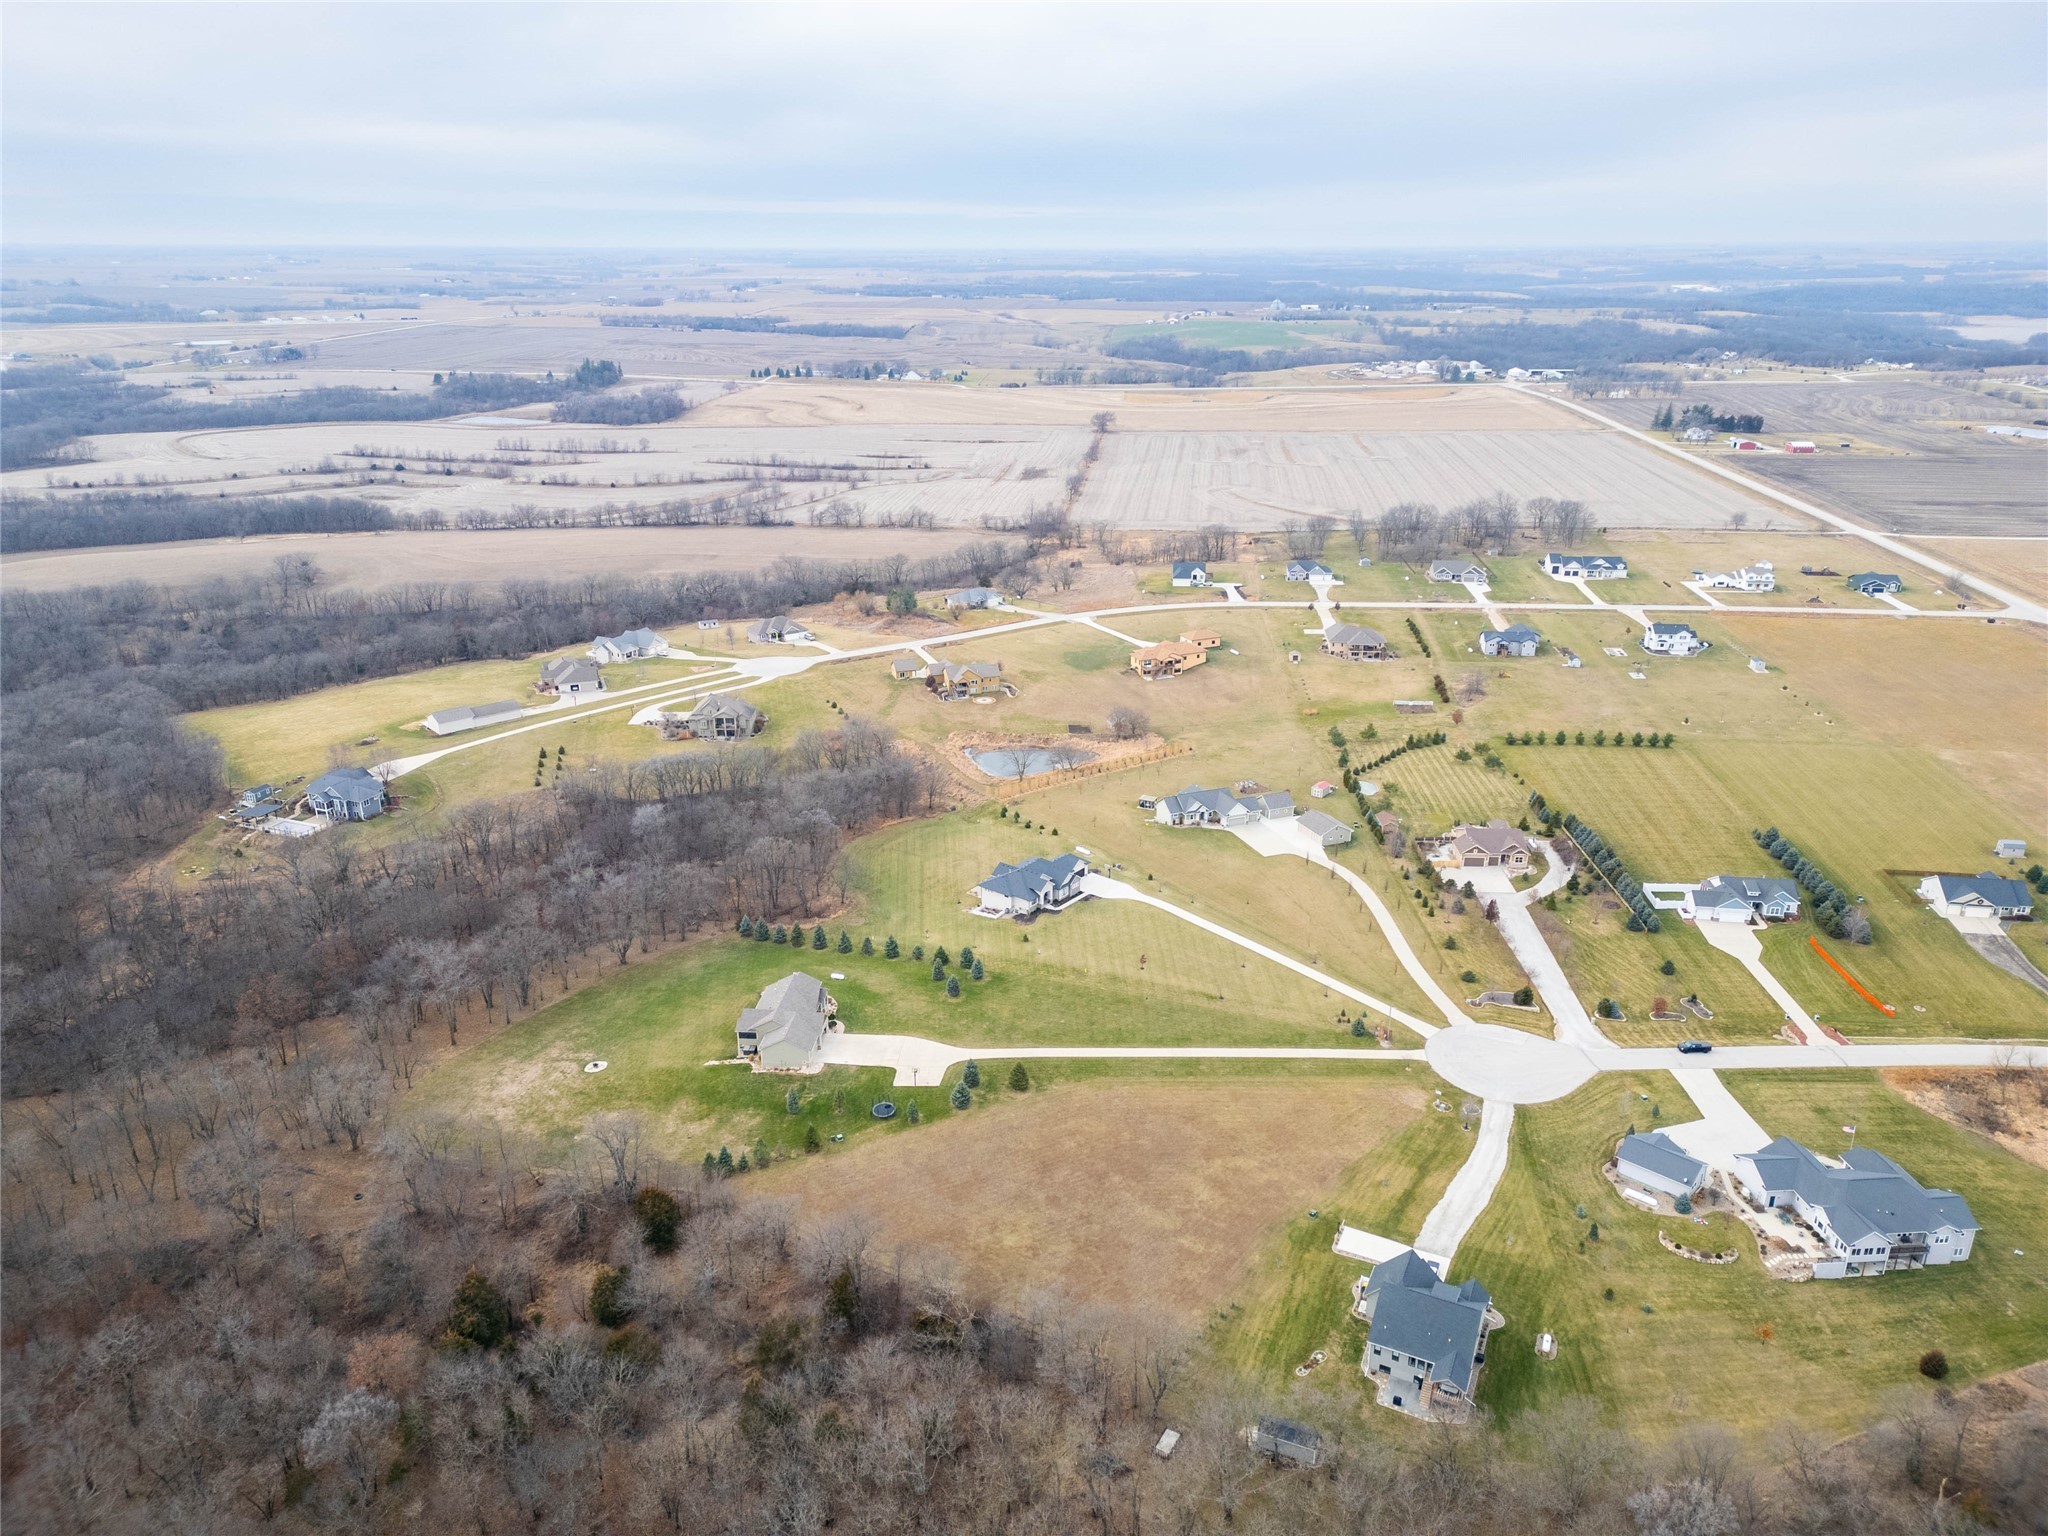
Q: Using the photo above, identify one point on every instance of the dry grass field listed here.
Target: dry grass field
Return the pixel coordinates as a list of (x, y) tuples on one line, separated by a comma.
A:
[(365, 560), (1147, 1189), (2019, 565)]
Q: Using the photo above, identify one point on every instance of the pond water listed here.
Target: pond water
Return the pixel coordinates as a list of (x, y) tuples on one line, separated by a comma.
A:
[(1023, 762)]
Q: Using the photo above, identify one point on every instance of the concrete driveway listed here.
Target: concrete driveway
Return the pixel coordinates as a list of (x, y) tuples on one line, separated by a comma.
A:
[(1739, 941), (1574, 1025), (1472, 1186), (1725, 1128), (1274, 838), (920, 1063)]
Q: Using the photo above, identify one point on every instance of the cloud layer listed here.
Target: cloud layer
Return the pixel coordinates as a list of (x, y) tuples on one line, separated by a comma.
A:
[(1017, 127)]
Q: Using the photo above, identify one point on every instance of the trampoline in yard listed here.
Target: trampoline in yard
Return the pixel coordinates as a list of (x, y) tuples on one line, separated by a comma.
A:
[(883, 1111)]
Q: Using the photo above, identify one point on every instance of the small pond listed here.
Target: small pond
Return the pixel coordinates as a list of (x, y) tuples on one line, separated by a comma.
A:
[(1023, 762)]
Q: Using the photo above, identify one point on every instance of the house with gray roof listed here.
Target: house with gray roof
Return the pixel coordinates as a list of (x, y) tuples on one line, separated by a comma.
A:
[(1463, 572), (1515, 640), (717, 717), (1327, 829), (1036, 885), (1493, 846), (1741, 899), (965, 679), (779, 629), (1191, 573), (1355, 642), (1993, 895), (1657, 1162), (1312, 570), (1427, 1338), (1196, 807), (974, 597), (1584, 567), (629, 646), (346, 794), (467, 717), (1871, 583), (570, 677), (785, 1031), (1672, 640), (1872, 1214)]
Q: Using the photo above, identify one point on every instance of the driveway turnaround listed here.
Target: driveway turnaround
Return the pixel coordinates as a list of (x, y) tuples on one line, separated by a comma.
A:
[(1116, 890), (1472, 1186), (1508, 1065), (1725, 1130), (1740, 941)]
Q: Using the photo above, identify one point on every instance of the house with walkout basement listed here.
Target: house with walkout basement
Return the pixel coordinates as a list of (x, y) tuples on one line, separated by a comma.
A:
[(1656, 1162), (965, 679), (1195, 807), (785, 1031), (1872, 1214), (1036, 885), (1426, 1338), (1493, 846), (1672, 640), (1989, 894), (346, 794), (715, 717), (1355, 642), (1741, 899), (1515, 640), (1168, 659), (1585, 567)]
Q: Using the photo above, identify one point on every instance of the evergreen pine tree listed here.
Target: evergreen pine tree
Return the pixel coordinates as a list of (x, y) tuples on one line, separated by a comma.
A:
[(746, 927), (796, 936), (793, 1102), (845, 942), (811, 1139), (725, 1160), (952, 986), (966, 955), (818, 939), (1020, 1080), (781, 934), (913, 1115), (1358, 1029), (938, 971), (961, 1097), (977, 972), (971, 1074), (889, 948), (867, 945), (940, 957), (761, 930)]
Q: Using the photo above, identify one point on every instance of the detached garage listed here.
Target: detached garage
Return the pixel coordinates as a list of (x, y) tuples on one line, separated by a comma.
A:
[(1655, 1162)]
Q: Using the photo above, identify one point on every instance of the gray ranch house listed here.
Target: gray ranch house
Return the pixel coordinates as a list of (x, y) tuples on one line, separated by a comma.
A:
[(1986, 893), (974, 597), (1190, 573), (569, 677), (1871, 583), (1036, 885), (780, 629), (1515, 640), (1741, 899), (1427, 1338), (346, 794), (1493, 846), (1463, 572), (1872, 1214), (1657, 1162), (785, 1031), (1312, 570), (630, 646), (1354, 642), (1196, 807), (1585, 567)]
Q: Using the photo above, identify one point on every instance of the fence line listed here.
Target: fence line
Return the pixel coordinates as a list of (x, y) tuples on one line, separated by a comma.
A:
[(1008, 791)]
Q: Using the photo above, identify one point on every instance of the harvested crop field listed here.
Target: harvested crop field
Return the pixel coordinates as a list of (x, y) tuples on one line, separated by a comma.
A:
[(1149, 1191), (1912, 468), (2021, 565), (364, 560)]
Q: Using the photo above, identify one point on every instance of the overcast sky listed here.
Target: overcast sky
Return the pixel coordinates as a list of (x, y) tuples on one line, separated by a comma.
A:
[(1155, 126)]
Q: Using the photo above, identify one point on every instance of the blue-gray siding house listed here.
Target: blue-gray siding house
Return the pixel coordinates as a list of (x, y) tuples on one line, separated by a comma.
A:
[(346, 794)]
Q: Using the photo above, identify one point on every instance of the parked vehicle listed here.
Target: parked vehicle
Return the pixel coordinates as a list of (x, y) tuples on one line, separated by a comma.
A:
[(1693, 1047)]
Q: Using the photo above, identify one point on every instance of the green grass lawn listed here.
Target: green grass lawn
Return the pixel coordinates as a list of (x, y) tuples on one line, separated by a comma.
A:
[(1301, 1299), (1834, 1349)]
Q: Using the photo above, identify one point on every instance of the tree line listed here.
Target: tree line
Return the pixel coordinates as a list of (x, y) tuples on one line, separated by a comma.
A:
[(99, 518), (235, 640)]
